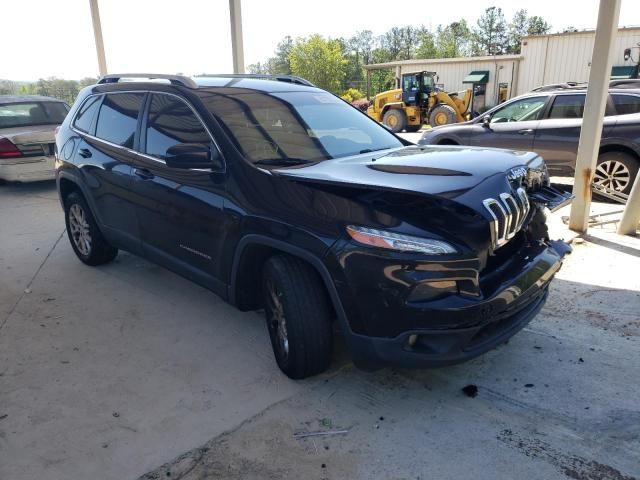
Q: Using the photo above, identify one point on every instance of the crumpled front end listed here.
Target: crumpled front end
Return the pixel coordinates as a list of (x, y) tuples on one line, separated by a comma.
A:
[(418, 311)]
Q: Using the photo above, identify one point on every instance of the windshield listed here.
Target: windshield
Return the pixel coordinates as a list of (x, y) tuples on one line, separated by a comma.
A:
[(296, 126), (33, 113)]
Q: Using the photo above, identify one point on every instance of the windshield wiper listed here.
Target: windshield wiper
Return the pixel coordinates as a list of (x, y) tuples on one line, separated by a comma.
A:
[(370, 150), (282, 161)]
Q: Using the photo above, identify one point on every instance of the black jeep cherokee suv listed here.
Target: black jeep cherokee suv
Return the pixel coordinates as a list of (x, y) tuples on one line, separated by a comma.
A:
[(275, 194)]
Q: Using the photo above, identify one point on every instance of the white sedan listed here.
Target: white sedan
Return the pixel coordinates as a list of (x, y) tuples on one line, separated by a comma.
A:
[(27, 136)]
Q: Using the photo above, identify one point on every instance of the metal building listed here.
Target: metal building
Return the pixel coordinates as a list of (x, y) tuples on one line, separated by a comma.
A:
[(544, 59)]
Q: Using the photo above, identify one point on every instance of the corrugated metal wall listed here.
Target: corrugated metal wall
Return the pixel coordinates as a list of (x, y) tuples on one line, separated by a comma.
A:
[(566, 57), (544, 59)]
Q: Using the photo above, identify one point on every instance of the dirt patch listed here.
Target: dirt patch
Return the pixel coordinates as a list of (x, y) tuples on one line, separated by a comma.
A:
[(262, 449), (570, 465)]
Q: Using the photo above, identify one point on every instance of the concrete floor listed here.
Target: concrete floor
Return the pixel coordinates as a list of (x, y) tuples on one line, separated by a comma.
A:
[(128, 370)]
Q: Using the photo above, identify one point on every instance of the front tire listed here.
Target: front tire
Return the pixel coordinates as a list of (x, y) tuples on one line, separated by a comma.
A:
[(86, 239), (395, 119), (616, 171), (298, 316), (442, 115)]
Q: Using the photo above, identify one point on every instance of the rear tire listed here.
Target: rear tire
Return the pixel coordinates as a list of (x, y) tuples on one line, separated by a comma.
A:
[(298, 316), (442, 115), (616, 171), (395, 119), (86, 239)]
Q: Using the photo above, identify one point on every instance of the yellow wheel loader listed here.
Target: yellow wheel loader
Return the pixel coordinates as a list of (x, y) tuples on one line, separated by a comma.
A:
[(419, 101)]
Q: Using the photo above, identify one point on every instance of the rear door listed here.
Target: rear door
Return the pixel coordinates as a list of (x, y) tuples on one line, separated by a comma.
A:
[(108, 127), (180, 210), (558, 134), (512, 126)]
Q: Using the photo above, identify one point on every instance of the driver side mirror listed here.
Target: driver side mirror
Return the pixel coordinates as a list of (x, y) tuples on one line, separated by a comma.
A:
[(192, 156), (486, 121)]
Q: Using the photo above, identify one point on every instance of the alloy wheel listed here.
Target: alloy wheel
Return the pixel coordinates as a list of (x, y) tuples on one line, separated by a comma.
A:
[(80, 229), (613, 175), (278, 321)]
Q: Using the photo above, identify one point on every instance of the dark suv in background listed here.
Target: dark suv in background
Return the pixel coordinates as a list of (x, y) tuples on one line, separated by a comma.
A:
[(279, 195), (548, 122)]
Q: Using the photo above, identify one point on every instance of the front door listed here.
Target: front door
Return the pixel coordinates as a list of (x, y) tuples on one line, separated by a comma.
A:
[(107, 125), (512, 126), (180, 209)]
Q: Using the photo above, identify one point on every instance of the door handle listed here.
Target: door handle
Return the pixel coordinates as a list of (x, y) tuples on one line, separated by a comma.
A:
[(526, 131), (143, 173), (84, 153)]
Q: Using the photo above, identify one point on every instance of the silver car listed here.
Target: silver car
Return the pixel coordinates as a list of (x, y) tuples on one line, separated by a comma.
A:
[(548, 122), (27, 136)]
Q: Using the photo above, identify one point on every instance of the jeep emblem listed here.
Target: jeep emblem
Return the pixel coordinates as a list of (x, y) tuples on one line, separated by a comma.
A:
[(517, 174)]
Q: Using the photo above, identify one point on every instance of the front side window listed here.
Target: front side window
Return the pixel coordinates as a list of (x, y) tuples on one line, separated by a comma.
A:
[(520, 110), (171, 122), (32, 113), (118, 118), (289, 127), (626, 104), (86, 114), (567, 106)]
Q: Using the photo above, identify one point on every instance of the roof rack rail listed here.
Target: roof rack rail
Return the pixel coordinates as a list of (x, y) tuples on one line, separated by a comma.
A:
[(625, 83), (174, 79), (560, 86), (617, 83), (260, 76)]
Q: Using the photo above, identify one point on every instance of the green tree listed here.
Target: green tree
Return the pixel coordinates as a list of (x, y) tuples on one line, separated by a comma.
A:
[(8, 87), (362, 43), (538, 26), (320, 61), (491, 32), (426, 46), (282, 63), (453, 40), (518, 28)]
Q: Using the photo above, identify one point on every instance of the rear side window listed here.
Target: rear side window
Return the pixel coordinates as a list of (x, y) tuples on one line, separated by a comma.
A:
[(118, 118), (32, 113), (86, 114), (567, 106), (171, 121), (626, 104)]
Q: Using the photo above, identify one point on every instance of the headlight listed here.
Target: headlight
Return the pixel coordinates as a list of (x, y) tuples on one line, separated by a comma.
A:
[(398, 241)]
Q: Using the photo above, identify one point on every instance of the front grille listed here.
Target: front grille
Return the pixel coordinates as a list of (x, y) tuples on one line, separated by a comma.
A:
[(508, 214)]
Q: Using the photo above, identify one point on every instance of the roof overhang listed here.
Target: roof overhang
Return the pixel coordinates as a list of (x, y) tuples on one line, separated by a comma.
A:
[(477, 76), (622, 71)]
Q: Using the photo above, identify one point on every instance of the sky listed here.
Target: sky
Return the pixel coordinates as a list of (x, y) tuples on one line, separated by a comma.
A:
[(43, 38)]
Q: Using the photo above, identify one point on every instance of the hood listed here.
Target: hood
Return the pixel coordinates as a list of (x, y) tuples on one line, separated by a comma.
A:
[(453, 172)]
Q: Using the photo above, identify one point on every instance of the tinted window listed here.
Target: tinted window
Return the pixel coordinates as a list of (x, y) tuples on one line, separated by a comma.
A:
[(86, 114), (567, 106), (33, 113), (626, 104), (170, 122), (520, 110), (309, 126), (118, 118)]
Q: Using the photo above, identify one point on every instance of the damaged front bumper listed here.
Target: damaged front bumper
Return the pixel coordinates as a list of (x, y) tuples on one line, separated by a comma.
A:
[(477, 324)]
